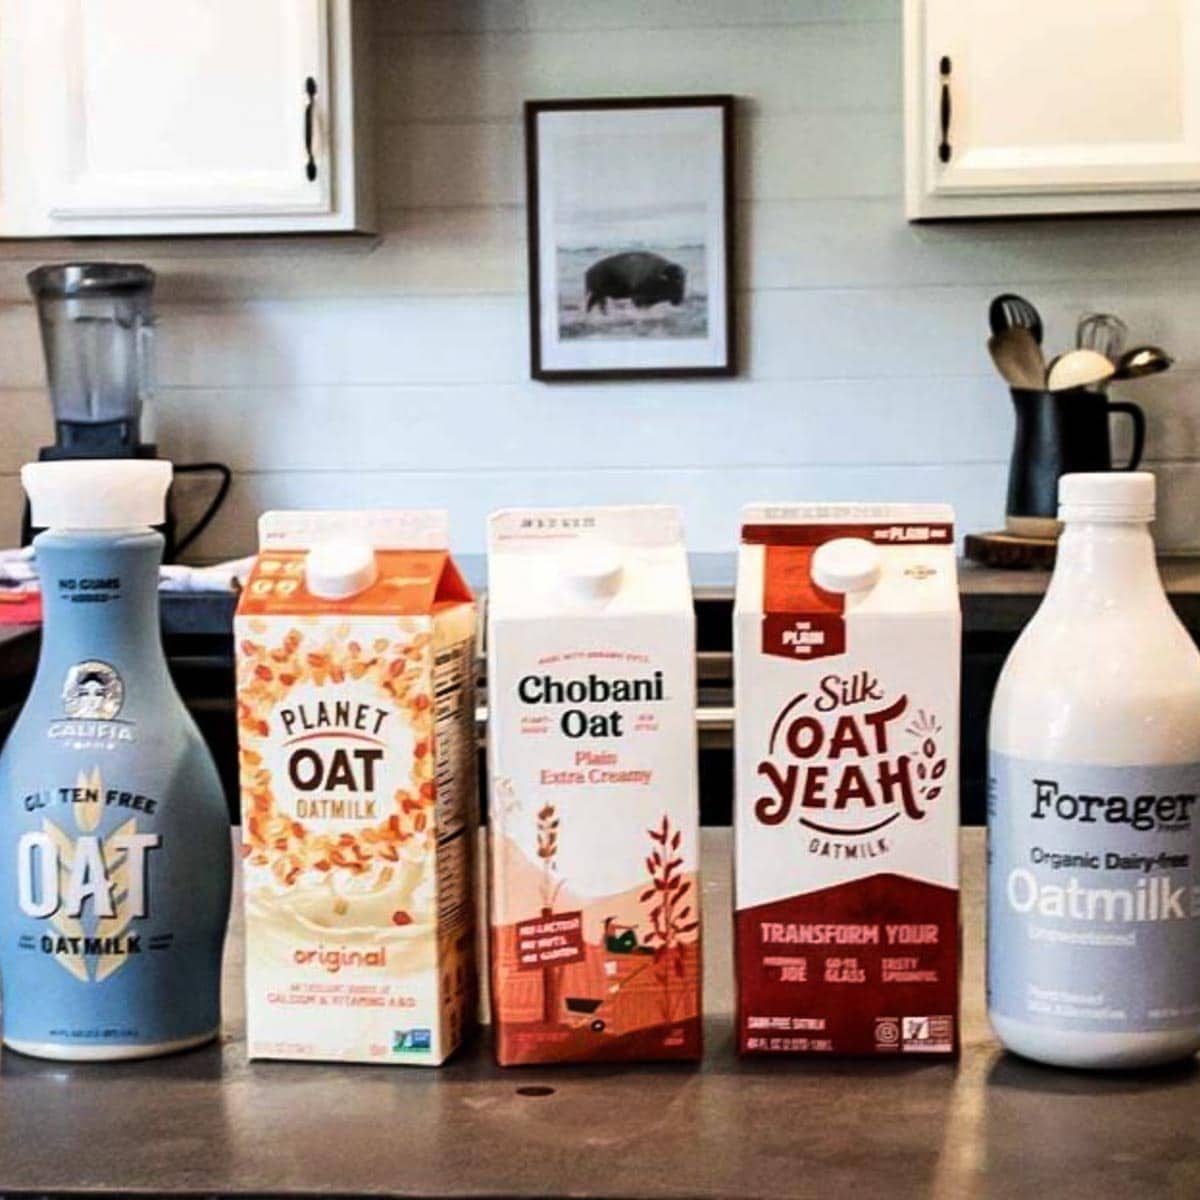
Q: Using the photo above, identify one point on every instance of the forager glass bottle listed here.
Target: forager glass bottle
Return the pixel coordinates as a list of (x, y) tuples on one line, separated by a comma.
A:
[(114, 835), (1094, 828)]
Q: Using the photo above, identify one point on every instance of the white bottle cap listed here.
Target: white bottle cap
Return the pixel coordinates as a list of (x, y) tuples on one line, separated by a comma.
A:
[(97, 493), (1106, 496), (335, 570), (847, 564), (591, 570)]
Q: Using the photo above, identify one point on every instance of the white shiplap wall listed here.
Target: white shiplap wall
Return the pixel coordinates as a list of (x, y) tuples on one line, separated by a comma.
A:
[(394, 371)]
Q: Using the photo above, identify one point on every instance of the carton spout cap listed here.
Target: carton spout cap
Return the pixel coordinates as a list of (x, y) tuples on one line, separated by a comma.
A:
[(335, 570), (846, 564), (591, 571)]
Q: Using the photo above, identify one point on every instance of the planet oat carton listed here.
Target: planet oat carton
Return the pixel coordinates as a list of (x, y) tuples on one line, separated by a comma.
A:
[(355, 665), (594, 827), (846, 645)]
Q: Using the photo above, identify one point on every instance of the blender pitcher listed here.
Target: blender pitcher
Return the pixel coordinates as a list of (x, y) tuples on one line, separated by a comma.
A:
[(97, 327)]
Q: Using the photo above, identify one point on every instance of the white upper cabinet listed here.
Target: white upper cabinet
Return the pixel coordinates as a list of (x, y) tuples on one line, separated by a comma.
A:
[(1054, 107), (180, 116)]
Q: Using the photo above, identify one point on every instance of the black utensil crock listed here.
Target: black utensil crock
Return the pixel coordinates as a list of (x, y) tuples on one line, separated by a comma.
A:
[(1059, 433)]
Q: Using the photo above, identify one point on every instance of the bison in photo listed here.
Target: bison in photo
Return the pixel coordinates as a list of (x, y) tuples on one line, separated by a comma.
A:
[(635, 275)]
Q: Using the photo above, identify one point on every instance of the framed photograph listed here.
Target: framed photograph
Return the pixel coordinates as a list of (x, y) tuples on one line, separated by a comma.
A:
[(631, 246)]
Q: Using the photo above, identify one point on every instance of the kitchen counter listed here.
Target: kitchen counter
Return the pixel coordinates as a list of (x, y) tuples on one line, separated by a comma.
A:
[(992, 599), (988, 1126), (1001, 601)]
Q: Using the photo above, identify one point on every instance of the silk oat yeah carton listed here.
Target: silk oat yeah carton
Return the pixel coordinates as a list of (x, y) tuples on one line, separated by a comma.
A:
[(595, 907), (846, 648), (355, 664)]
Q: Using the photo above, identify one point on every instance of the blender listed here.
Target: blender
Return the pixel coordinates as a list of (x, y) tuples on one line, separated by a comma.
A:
[(97, 325)]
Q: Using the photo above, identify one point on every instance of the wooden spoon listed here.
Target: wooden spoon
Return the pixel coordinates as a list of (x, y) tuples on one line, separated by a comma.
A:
[(1018, 358)]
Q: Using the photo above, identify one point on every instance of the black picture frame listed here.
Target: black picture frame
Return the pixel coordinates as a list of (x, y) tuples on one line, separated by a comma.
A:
[(717, 352)]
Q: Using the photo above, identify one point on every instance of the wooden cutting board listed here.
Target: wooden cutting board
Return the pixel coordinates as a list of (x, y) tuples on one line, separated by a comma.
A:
[(1002, 549)]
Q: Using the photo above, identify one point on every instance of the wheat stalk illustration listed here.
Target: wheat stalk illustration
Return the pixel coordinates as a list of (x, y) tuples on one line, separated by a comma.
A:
[(87, 816), (71, 962), (671, 916), (116, 858), (118, 874), (931, 764), (507, 803), (547, 849)]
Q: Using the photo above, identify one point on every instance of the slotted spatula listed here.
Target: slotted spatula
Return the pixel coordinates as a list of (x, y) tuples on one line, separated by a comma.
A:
[(1010, 311)]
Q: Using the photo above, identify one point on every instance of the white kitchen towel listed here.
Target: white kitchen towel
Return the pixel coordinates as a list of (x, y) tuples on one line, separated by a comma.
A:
[(17, 571), (219, 577)]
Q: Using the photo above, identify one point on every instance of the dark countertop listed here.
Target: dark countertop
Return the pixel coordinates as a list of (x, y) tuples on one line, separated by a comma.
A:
[(993, 600), (1001, 601), (990, 1126)]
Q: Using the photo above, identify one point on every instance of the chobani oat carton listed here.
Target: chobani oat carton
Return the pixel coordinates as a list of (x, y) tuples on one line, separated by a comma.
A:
[(595, 907), (355, 665), (846, 645)]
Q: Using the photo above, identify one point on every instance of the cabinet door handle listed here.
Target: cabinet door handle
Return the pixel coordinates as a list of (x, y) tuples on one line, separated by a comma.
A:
[(310, 90), (944, 144)]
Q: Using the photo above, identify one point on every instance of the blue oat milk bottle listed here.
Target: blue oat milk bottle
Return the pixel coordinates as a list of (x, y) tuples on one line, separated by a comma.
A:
[(1094, 802), (114, 835)]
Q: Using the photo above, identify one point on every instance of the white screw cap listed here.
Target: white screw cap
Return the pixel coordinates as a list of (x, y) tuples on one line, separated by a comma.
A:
[(97, 493), (591, 570), (1106, 496), (335, 570), (847, 564)]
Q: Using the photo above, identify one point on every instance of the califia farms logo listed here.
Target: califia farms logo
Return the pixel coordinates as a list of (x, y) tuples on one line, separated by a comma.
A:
[(93, 691), (846, 760), (93, 696)]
